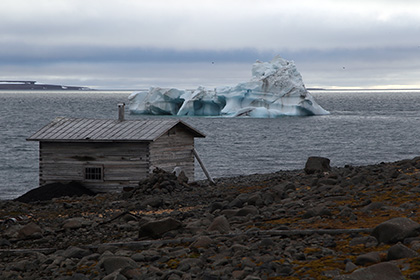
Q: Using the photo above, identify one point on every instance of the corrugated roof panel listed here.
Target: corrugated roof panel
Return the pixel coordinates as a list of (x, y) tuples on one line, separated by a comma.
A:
[(56, 128), (78, 131), (72, 129), (104, 130), (119, 129), (63, 129), (159, 129), (127, 132), (42, 131), (138, 130), (90, 130)]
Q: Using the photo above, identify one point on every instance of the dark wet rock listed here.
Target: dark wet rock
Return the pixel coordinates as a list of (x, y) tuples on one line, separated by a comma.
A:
[(155, 229), (383, 271), (317, 164), (395, 230), (399, 251)]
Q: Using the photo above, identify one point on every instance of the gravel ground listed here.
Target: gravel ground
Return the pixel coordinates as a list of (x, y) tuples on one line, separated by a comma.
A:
[(317, 223)]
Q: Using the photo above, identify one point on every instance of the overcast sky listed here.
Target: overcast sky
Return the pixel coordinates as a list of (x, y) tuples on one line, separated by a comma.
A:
[(136, 44)]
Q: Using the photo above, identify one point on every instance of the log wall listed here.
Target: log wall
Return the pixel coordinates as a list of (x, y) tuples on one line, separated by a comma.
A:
[(123, 163), (173, 149)]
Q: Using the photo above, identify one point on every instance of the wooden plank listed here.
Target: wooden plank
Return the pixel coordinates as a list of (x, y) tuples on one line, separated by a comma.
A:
[(203, 167)]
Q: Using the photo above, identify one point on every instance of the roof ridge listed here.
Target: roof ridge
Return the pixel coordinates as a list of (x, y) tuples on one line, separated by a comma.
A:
[(92, 129)]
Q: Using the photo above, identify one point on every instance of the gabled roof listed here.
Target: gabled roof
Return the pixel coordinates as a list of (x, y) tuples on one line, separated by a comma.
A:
[(88, 130)]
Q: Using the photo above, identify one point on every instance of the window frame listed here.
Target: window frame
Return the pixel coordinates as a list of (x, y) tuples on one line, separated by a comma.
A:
[(93, 174)]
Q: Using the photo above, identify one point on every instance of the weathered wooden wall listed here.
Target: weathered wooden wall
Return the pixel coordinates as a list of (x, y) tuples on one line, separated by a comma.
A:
[(173, 149), (124, 163)]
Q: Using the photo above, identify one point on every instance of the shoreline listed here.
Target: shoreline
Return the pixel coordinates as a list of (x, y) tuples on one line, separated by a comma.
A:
[(281, 225)]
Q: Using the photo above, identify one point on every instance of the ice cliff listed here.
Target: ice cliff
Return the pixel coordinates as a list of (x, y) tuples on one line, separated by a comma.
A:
[(276, 89)]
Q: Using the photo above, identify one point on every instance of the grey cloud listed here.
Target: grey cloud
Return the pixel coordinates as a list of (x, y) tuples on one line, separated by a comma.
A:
[(135, 43)]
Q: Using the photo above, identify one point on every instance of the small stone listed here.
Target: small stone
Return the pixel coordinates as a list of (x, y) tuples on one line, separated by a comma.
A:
[(238, 274)]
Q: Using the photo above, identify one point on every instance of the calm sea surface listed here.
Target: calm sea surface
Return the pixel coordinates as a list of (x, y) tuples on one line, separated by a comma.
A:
[(364, 127)]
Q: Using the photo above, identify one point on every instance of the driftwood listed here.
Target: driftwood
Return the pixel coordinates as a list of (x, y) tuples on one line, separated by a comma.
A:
[(119, 216), (146, 243)]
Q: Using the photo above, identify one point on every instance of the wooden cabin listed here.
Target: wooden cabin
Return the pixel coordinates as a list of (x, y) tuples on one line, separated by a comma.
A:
[(107, 155)]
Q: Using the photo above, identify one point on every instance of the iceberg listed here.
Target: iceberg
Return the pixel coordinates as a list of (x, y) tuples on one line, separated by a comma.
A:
[(276, 89)]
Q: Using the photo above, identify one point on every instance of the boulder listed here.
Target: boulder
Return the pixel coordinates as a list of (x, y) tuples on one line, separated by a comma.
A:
[(155, 229), (399, 251), (219, 224), (75, 252), (30, 230), (367, 241), (202, 242), (75, 223), (114, 263), (395, 230), (382, 271), (247, 210), (368, 258), (317, 164)]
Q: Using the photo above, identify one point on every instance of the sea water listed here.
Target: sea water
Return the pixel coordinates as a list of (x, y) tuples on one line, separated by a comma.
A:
[(364, 127)]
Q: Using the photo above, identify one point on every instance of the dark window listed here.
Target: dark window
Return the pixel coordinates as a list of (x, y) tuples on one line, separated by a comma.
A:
[(94, 173)]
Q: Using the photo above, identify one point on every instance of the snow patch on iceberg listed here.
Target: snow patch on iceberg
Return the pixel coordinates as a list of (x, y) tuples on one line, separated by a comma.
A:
[(276, 89)]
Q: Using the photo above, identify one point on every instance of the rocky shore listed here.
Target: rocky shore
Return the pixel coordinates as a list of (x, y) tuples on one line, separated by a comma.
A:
[(344, 223)]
